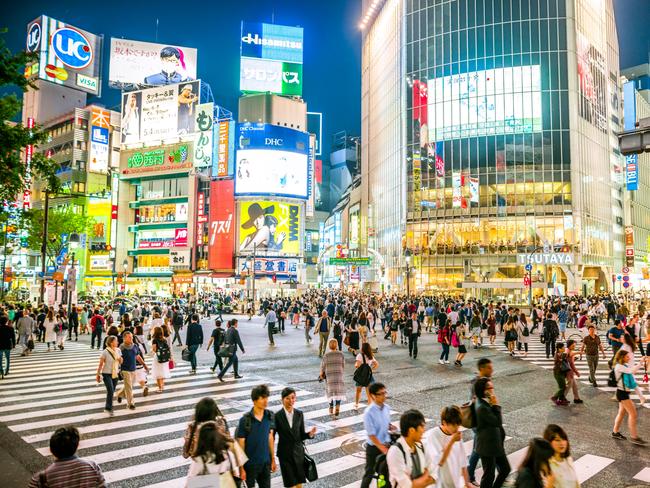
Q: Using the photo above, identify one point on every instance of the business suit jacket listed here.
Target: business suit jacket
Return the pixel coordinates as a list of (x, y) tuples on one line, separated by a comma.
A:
[(290, 448), (489, 429)]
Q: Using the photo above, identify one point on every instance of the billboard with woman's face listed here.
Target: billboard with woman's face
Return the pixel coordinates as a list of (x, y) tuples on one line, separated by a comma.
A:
[(270, 228)]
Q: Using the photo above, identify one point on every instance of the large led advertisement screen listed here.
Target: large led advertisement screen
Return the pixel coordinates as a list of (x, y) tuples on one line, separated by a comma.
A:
[(270, 227), (67, 55), (159, 113), (489, 102), (150, 64), (271, 160), (268, 75)]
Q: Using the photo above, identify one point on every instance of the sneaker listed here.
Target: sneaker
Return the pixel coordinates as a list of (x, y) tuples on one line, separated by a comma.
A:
[(119, 399), (446, 362), (638, 441), (145, 391), (619, 436), (212, 369), (109, 412), (578, 401), (220, 378), (562, 403), (441, 361)]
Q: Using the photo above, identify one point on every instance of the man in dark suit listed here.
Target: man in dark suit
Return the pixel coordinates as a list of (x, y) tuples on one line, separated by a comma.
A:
[(290, 427), (234, 341), (490, 435)]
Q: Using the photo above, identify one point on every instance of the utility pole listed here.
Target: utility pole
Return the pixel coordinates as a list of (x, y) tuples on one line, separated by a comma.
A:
[(4, 262), (44, 245)]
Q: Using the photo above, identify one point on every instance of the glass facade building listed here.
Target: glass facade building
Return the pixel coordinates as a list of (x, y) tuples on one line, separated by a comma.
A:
[(508, 111)]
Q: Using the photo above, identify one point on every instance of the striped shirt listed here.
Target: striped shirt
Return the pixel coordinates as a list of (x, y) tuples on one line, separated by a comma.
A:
[(70, 473)]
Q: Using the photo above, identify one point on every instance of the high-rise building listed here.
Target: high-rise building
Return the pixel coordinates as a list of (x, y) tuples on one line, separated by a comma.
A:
[(488, 143)]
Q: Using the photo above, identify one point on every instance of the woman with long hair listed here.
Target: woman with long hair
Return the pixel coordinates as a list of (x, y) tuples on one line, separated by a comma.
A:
[(562, 467), (365, 356), (363, 327), (523, 333), (535, 470), (161, 351), (108, 370), (625, 383), (50, 329), (510, 337), (205, 410)]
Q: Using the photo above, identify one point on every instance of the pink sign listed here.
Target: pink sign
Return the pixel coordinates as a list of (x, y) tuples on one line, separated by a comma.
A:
[(180, 238)]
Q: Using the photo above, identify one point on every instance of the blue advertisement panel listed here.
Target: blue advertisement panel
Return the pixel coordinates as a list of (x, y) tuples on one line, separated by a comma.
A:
[(632, 172), (271, 41), (629, 123), (271, 160)]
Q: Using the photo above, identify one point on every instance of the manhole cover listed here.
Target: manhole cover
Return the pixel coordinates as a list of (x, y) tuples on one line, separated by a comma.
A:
[(353, 447)]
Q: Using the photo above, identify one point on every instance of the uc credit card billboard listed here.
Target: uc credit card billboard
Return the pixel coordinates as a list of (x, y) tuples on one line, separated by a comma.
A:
[(67, 55), (271, 160)]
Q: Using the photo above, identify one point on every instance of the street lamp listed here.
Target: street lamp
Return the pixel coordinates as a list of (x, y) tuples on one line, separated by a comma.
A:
[(407, 253), (125, 265)]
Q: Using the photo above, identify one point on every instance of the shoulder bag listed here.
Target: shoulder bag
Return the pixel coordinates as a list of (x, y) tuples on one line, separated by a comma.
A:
[(363, 373), (309, 466)]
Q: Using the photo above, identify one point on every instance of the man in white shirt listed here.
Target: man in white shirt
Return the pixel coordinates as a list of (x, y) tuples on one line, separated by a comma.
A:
[(444, 444), (409, 464)]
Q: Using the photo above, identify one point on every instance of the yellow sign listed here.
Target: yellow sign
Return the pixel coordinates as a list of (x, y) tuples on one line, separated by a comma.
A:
[(270, 227)]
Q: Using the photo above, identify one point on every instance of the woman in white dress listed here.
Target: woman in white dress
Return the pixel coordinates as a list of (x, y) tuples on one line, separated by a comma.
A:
[(50, 329), (160, 369)]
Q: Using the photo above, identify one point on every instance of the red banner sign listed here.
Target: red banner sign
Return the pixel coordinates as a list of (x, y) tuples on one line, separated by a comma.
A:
[(222, 225)]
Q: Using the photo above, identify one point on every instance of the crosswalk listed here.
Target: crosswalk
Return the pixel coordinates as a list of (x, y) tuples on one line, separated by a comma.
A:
[(142, 448), (537, 356)]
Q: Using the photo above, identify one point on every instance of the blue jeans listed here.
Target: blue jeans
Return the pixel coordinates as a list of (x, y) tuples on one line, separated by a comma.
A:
[(110, 383), (193, 348), (445, 352), (4, 354)]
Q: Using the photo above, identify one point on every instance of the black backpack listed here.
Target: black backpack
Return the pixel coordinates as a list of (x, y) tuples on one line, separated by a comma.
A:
[(363, 373), (163, 354), (381, 466), (525, 332), (611, 380), (248, 422)]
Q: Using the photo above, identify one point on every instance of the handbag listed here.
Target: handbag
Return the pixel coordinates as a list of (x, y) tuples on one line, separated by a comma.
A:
[(309, 466), (30, 343), (171, 364), (226, 350), (186, 355), (565, 367)]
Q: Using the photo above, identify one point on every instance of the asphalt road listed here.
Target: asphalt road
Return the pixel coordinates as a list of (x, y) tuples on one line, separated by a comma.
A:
[(522, 387)]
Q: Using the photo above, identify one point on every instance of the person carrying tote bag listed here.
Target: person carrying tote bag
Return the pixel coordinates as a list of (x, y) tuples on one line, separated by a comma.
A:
[(212, 462)]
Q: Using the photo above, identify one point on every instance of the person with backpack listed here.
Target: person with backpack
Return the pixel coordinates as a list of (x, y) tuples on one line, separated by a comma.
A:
[(409, 464), (523, 333), (377, 424), (365, 364), (444, 339), (217, 338), (444, 444), (213, 459), (485, 370), (131, 357), (255, 435), (615, 337), (97, 323), (162, 355), (458, 342)]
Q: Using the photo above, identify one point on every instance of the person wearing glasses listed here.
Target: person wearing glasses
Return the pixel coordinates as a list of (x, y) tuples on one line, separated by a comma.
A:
[(490, 435), (376, 421)]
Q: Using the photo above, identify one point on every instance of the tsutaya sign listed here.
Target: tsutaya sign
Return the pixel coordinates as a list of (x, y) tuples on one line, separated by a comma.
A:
[(546, 258)]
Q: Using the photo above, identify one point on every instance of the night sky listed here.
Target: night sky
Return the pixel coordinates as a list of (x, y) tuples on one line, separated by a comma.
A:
[(332, 59)]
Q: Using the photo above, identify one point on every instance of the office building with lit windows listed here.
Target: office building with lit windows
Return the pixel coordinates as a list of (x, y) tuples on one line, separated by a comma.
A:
[(488, 141)]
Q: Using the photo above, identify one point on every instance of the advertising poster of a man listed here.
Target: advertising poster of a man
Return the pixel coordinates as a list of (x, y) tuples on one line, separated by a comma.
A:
[(172, 68), (187, 101)]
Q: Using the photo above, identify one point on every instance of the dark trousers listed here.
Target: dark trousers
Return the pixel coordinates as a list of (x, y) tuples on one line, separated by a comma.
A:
[(41, 334), (445, 352), (339, 339), (235, 365), (260, 474), (193, 348), (413, 345), (369, 472), (560, 379), (503, 469), (281, 324), (550, 348), (177, 335), (473, 460), (110, 383), (269, 329), (218, 360), (98, 334), (73, 328)]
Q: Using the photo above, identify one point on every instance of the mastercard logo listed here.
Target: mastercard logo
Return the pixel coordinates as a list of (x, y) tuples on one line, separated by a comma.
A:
[(56, 72)]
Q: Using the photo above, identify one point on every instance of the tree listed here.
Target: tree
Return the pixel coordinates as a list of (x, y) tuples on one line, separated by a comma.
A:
[(61, 224), (14, 138)]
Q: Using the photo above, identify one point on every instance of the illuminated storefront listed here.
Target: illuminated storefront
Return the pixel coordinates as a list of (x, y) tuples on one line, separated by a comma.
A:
[(506, 146)]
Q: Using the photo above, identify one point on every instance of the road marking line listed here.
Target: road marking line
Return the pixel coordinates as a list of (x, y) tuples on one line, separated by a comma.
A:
[(589, 465)]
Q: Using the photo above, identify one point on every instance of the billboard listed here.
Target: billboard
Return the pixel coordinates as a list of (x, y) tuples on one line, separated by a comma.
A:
[(223, 160), (67, 55), (169, 158), (268, 75), (488, 102), (272, 160), (203, 136), (271, 41), (150, 64), (281, 267), (592, 82), (222, 225), (159, 113), (100, 123), (629, 121), (162, 238), (270, 227)]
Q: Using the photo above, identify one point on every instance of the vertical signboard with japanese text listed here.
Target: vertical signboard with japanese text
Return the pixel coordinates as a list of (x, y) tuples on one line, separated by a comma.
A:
[(99, 140), (629, 246), (222, 225), (67, 55), (223, 160), (203, 136)]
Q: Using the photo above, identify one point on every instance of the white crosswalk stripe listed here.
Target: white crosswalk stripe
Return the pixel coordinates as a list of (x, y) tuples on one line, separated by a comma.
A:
[(537, 356), (140, 448)]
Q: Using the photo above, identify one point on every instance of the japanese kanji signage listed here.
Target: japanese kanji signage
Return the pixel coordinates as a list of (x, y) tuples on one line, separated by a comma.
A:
[(170, 158), (224, 149), (179, 259), (203, 136), (100, 121), (269, 266), (265, 75), (222, 225), (629, 246)]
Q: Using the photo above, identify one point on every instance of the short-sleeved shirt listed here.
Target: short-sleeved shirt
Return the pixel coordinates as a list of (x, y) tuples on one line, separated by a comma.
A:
[(108, 359), (617, 333), (376, 421), (129, 355), (371, 362), (257, 439), (591, 345), (218, 335)]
